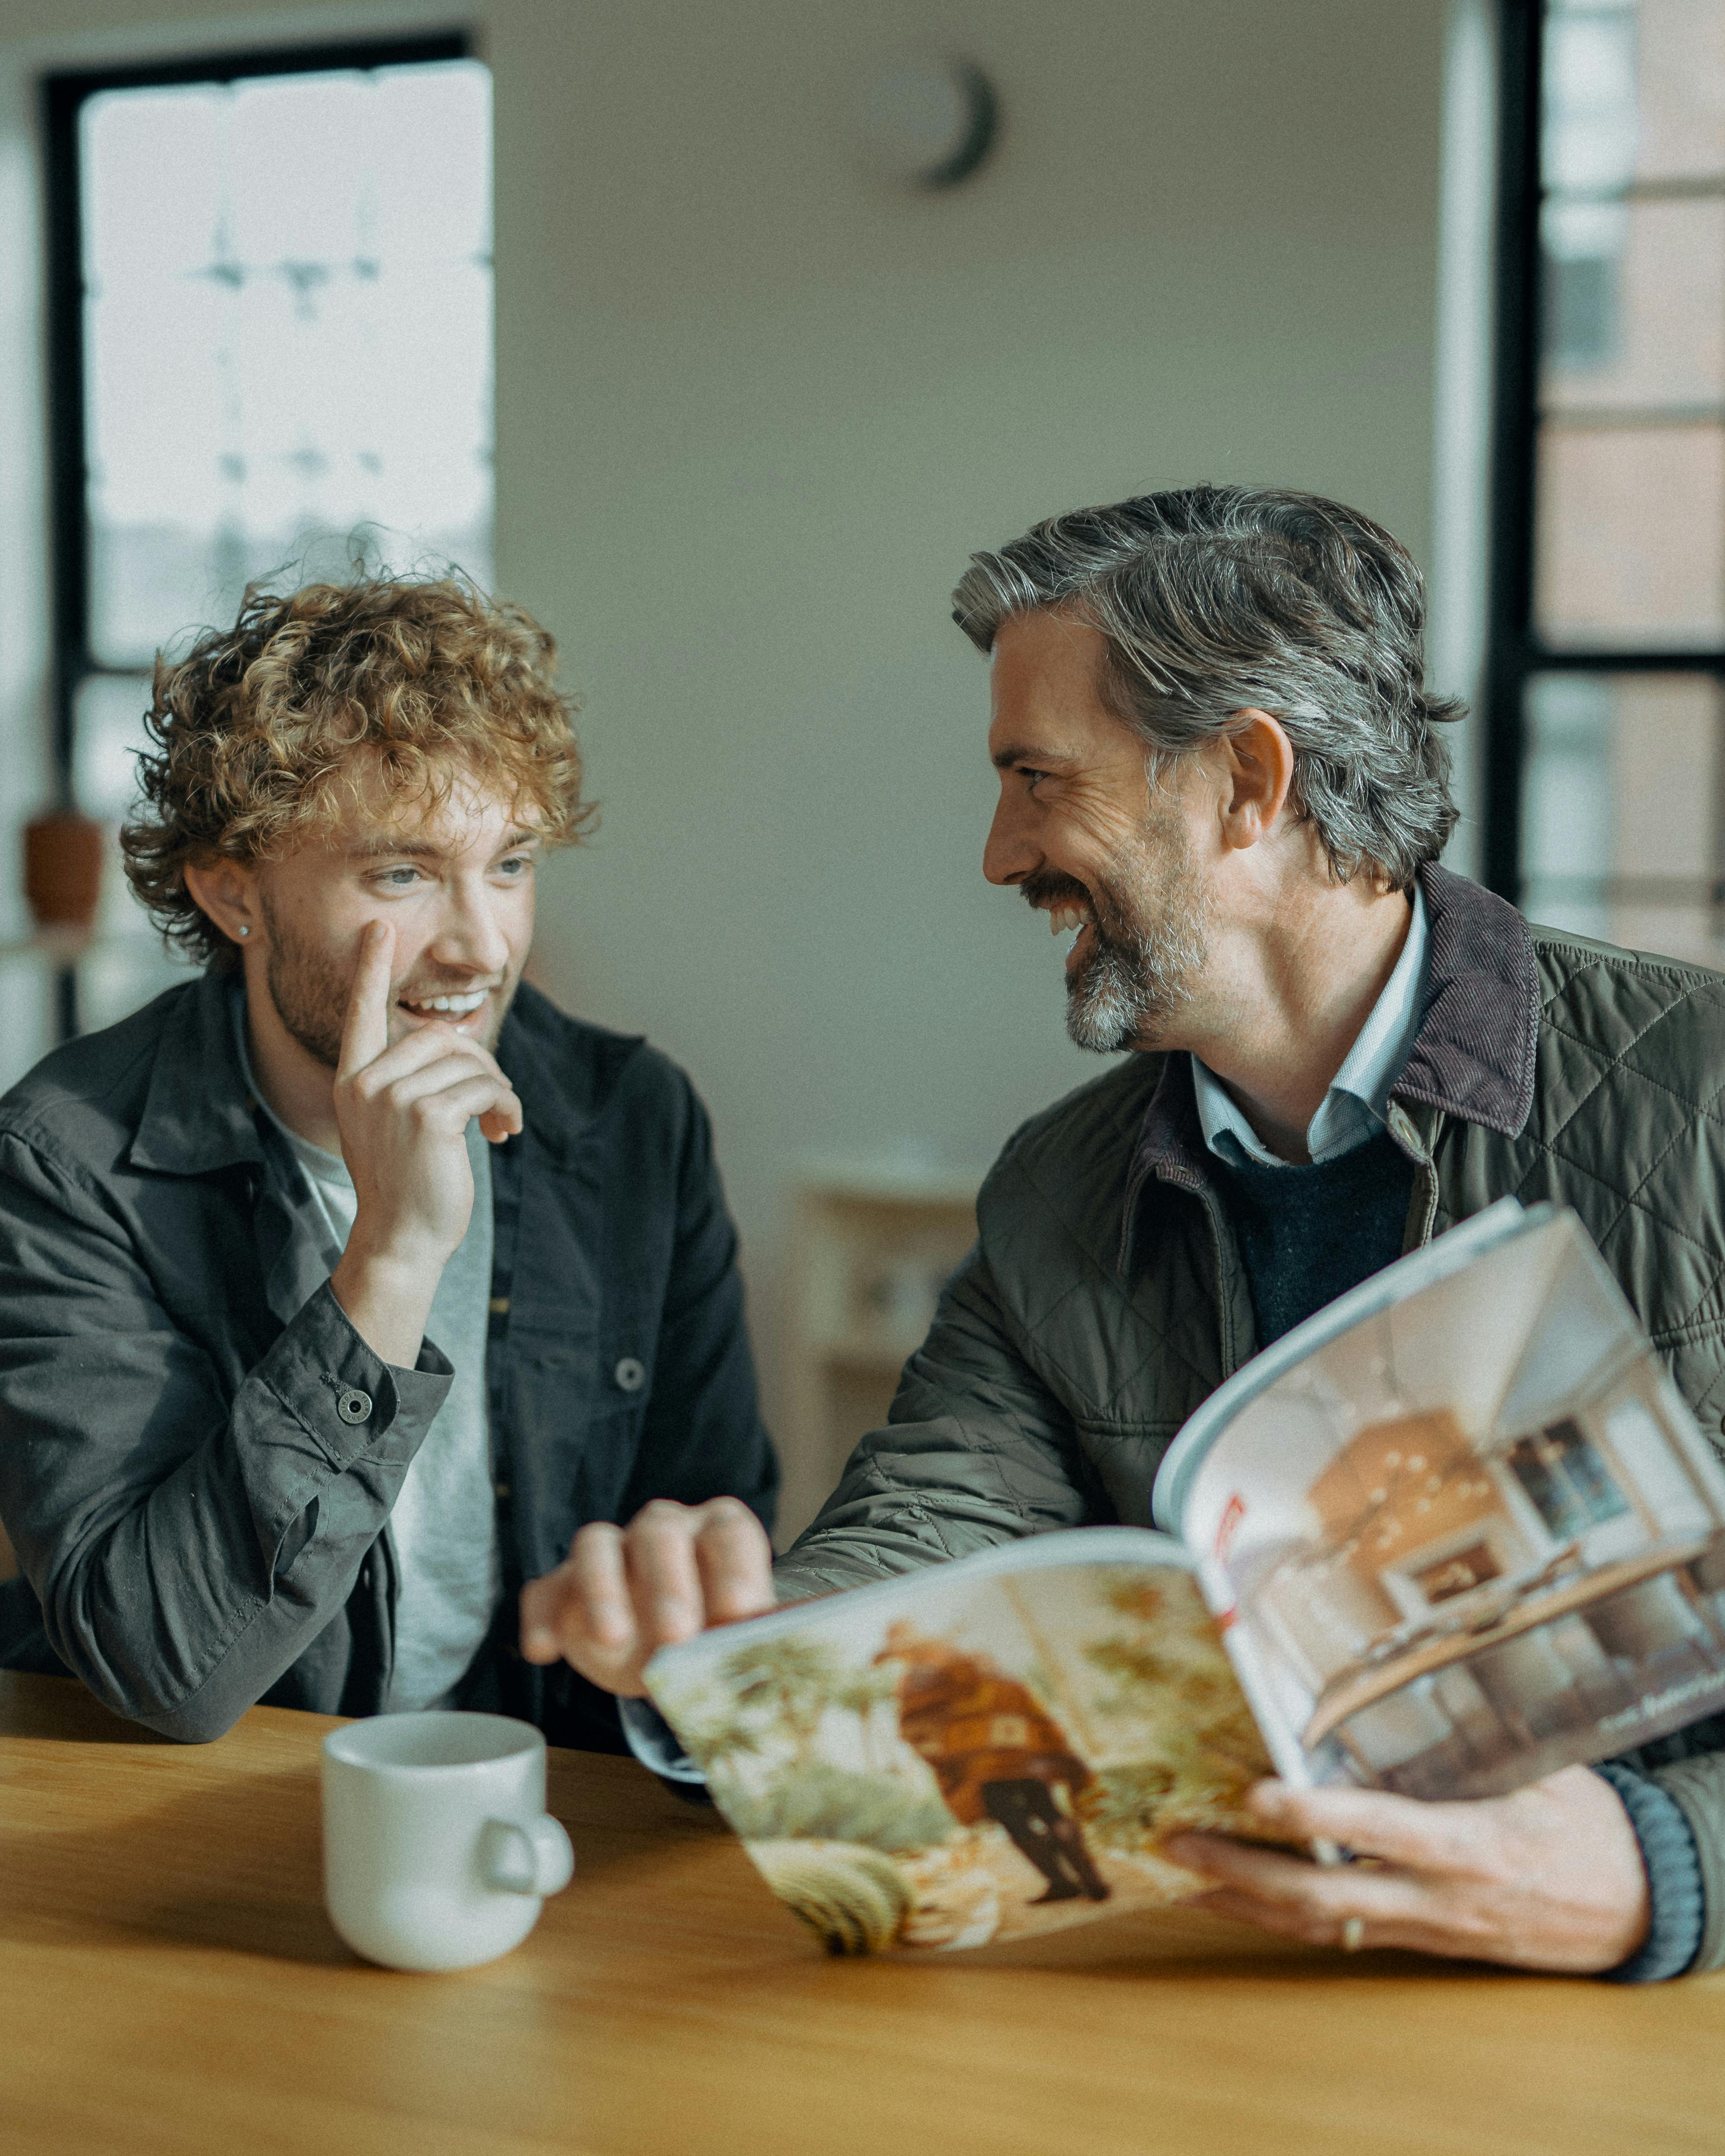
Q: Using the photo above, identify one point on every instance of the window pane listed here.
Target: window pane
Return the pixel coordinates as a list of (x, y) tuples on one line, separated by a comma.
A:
[(1621, 809), (1629, 505), (1635, 306), (1631, 544), (288, 329), (1633, 92), (1591, 127), (1681, 61), (108, 731)]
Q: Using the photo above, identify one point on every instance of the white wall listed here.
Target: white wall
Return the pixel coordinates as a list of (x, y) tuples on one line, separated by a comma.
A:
[(754, 410)]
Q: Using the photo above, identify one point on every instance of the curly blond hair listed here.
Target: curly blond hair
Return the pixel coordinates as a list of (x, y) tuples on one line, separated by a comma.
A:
[(262, 730)]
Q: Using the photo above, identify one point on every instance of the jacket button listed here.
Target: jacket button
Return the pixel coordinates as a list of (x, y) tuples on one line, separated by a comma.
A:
[(353, 1405), (630, 1374)]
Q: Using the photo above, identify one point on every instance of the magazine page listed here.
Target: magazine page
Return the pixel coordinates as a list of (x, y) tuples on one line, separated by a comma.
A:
[(1471, 1536), (976, 1751)]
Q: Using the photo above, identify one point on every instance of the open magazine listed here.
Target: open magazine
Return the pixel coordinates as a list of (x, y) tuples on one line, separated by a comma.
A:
[(1456, 1530)]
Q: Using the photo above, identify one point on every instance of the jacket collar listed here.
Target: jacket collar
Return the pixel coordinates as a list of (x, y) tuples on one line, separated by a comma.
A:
[(1171, 1138), (1472, 1057), (1479, 1028), (197, 1113)]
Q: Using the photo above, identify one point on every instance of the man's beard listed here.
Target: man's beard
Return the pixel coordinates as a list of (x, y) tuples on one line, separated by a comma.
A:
[(309, 988), (1147, 946)]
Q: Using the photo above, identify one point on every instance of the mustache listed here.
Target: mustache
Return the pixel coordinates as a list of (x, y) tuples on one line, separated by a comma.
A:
[(1048, 887)]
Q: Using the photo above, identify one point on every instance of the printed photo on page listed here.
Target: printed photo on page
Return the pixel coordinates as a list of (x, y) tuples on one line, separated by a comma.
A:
[(1472, 1536)]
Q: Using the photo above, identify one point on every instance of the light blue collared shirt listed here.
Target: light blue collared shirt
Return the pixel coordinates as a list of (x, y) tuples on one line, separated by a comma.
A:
[(1353, 1109)]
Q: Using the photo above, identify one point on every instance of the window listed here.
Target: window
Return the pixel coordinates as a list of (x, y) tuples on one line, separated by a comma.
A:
[(1605, 802), (271, 328), (1568, 1483)]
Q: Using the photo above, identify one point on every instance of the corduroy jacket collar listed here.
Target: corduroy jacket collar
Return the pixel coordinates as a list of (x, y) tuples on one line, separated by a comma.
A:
[(1479, 1027)]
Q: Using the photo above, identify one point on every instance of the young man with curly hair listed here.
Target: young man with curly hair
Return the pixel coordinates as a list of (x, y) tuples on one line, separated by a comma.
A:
[(340, 1287)]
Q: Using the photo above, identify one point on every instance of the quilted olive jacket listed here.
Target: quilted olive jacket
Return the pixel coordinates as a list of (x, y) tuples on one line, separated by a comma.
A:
[(1105, 1299)]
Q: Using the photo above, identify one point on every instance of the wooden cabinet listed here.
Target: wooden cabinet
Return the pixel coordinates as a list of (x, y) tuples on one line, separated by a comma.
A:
[(870, 1253)]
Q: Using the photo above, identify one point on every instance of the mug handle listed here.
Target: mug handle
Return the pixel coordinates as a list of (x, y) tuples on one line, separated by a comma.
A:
[(526, 1857)]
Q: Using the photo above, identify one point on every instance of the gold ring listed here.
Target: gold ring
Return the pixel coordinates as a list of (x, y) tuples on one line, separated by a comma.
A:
[(1353, 1935)]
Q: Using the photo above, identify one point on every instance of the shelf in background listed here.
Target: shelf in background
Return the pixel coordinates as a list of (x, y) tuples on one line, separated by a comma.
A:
[(873, 1246), (59, 946), (65, 946)]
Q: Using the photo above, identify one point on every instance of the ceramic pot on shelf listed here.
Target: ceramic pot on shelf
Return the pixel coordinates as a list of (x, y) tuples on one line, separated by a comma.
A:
[(62, 870)]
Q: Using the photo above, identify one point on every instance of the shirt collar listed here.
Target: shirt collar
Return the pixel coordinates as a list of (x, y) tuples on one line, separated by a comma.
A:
[(1353, 1109)]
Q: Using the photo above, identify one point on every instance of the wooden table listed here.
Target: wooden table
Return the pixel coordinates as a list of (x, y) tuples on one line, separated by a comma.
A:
[(168, 1981)]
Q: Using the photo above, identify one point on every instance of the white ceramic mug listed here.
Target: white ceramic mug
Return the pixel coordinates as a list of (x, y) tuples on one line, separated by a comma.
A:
[(437, 1848)]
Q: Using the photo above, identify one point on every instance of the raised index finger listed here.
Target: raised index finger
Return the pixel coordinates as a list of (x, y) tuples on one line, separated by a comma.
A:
[(365, 1033)]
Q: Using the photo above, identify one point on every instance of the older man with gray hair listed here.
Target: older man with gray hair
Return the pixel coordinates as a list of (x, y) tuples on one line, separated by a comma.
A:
[(1218, 764)]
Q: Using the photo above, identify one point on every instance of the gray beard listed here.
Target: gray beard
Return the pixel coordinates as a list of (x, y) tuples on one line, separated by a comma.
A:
[(1139, 976)]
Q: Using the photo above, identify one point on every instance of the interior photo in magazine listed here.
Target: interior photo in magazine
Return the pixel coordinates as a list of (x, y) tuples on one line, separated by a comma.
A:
[(1472, 1536)]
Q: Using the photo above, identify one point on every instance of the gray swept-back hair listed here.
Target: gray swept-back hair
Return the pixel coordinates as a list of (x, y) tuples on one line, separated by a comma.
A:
[(1214, 600)]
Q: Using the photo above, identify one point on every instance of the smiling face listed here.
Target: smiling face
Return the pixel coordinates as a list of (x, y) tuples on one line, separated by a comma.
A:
[(456, 884), (1080, 832)]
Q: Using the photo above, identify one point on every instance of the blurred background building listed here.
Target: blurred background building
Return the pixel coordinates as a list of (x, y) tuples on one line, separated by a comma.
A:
[(620, 307)]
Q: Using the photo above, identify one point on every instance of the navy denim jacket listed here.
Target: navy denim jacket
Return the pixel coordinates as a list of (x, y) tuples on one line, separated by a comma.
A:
[(199, 1494)]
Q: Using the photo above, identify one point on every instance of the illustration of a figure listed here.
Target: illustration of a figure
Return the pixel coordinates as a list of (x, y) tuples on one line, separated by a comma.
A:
[(997, 1753)]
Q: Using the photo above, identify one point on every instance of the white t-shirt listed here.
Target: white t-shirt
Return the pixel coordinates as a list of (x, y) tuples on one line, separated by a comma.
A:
[(444, 1519)]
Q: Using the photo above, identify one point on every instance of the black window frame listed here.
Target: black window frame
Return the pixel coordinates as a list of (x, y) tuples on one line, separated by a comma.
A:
[(1514, 651), (62, 94)]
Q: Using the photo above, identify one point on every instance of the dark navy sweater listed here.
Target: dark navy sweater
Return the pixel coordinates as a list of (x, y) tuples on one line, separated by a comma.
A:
[(1307, 1234)]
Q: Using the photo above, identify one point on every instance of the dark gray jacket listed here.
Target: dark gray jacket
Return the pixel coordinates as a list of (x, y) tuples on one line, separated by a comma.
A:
[(198, 1495), (1104, 1298)]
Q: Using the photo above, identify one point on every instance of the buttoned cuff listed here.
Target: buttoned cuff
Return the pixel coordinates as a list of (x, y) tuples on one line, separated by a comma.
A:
[(655, 1744), (1674, 1879), (342, 1392)]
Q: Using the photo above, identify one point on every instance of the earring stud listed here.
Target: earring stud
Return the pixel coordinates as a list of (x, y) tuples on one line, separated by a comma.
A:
[(243, 930)]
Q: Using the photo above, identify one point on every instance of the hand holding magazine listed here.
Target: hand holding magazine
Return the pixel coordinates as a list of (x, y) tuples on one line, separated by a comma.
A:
[(1456, 1530)]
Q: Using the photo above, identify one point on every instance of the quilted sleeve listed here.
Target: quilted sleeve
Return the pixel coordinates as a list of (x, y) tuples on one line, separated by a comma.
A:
[(975, 1451)]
